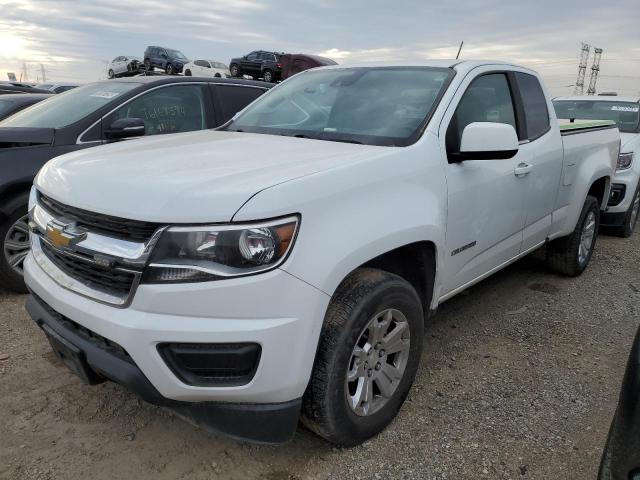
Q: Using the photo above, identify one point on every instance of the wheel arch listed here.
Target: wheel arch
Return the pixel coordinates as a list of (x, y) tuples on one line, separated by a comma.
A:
[(599, 189)]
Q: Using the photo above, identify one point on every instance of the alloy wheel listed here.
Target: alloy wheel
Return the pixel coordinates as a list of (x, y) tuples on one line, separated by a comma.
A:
[(587, 237), (378, 362), (17, 244)]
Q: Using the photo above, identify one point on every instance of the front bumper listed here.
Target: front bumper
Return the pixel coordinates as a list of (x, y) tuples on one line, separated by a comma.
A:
[(279, 312), (627, 181), (264, 423)]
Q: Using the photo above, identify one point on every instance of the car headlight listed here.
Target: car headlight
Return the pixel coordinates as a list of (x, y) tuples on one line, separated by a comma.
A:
[(624, 161), (205, 253)]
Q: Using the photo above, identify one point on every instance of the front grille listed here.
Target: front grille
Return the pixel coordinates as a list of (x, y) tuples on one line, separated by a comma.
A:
[(98, 340), (126, 229), (109, 279)]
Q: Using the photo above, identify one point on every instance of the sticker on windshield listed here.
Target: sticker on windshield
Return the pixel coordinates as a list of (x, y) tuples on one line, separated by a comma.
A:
[(105, 94), (620, 108)]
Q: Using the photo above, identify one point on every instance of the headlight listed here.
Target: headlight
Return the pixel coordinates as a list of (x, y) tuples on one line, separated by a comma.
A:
[(624, 161), (205, 253)]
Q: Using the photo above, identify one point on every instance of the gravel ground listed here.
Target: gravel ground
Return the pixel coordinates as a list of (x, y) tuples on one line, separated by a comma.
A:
[(519, 380)]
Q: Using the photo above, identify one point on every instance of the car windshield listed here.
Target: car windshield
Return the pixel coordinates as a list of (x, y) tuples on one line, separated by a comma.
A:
[(625, 114), (387, 106), (66, 108), (175, 53)]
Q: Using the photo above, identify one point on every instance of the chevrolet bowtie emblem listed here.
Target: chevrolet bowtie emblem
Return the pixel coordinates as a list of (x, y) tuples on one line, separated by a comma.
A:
[(60, 236)]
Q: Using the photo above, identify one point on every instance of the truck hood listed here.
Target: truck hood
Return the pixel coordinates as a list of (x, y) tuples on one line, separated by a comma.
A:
[(195, 177), (25, 137), (628, 141)]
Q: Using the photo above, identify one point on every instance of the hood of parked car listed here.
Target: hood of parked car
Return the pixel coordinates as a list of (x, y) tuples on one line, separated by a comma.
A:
[(11, 137), (194, 177), (629, 141)]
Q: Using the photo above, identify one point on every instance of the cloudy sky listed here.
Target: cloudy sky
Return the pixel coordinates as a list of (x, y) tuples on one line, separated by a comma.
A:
[(73, 39)]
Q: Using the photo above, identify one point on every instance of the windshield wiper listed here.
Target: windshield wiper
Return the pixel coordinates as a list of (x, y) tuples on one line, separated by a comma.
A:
[(343, 140)]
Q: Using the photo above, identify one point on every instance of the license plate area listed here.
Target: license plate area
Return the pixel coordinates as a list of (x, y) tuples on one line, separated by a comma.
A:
[(72, 357)]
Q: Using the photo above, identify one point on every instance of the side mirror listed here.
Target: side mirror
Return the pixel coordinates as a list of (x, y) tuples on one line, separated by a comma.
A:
[(125, 128), (488, 141)]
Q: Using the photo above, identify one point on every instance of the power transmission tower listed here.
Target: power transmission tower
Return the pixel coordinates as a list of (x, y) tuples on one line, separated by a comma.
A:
[(582, 69), (595, 68)]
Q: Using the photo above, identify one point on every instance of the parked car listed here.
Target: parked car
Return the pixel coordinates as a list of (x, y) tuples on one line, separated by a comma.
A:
[(207, 68), (14, 87), (92, 115), (169, 60), (284, 265), (124, 66), (621, 456), (12, 103), (258, 64), (623, 209), (292, 63)]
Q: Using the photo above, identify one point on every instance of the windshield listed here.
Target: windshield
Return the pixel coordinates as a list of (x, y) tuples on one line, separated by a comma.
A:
[(69, 107), (625, 114), (175, 53), (5, 106), (387, 106)]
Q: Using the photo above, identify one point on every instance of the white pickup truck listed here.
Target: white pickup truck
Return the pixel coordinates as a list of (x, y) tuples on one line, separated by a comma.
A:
[(283, 267)]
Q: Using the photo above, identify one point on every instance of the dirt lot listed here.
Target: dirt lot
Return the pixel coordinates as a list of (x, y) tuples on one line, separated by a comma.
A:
[(519, 380)]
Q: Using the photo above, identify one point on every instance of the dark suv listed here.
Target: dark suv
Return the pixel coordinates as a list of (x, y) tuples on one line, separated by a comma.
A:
[(169, 60), (258, 64)]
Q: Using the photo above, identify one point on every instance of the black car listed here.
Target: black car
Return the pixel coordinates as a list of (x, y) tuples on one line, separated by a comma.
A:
[(15, 87), (621, 458), (89, 116), (12, 103), (258, 64), (170, 60)]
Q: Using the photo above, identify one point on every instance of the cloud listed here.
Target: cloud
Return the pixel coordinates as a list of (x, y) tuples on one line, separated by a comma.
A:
[(74, 39)]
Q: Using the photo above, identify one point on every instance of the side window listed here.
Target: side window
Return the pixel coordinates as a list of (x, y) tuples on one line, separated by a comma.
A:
[(534, 102), (200, 63), (234, 98), (172, 109), (252, 56), (487, 99)]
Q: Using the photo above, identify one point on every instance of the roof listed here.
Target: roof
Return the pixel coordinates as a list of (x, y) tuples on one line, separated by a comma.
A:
[(164, 79), (597, 98), (22, 97)]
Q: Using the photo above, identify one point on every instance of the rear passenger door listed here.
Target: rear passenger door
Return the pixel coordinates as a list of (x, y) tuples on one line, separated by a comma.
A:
[(541, 145), (229, 99)]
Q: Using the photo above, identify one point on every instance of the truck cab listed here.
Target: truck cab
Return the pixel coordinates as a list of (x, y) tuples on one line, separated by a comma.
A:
[(249, 291)]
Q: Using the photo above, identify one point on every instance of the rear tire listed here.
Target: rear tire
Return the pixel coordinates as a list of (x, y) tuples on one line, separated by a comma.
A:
[(187, 73), (570, 255), (169, 70), (267, 76), (147, 65), (235, 71), (15, 247), (368, 306), (631, 218), (111, 75)]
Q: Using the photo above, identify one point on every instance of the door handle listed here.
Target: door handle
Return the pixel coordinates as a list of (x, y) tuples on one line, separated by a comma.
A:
[(523, 169)]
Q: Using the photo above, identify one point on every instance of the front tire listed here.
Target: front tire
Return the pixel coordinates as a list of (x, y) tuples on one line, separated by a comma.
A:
[(267, 76), (147, 65), (631, 218), (169, 70), (14, 233), (187, 73), (235, 71), (367, 358), (570, 255)]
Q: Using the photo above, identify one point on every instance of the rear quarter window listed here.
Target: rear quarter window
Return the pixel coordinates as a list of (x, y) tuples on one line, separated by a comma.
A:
[(234, 98), (534, 102)]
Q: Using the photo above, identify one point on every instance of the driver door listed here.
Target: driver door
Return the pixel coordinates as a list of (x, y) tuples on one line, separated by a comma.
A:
[(486, 197)]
